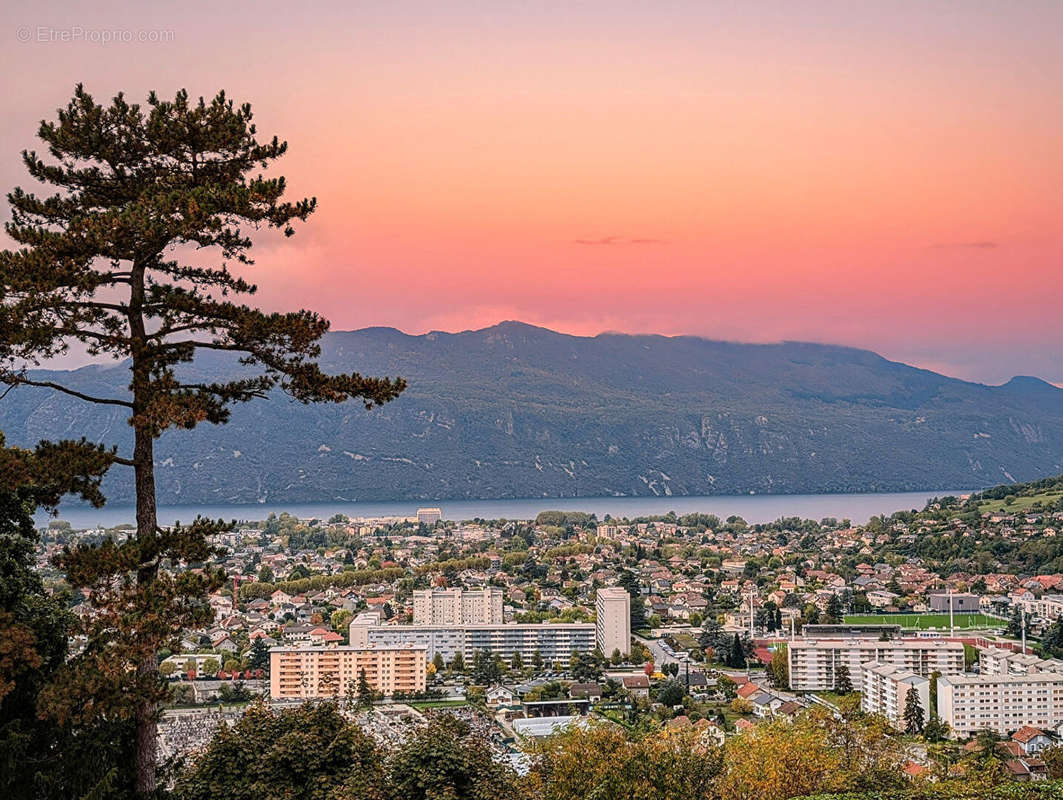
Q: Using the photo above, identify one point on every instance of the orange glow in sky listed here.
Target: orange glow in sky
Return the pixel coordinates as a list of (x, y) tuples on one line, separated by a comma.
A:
[(884, 175)]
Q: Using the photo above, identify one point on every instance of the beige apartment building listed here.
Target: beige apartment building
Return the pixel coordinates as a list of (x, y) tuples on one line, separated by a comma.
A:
[(1000, 703), (305, 672), (612, 626), (458, 606), (814, 663), (886, 688)]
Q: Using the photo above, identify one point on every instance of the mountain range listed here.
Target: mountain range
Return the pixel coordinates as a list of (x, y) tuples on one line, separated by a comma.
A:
[(519, 411)]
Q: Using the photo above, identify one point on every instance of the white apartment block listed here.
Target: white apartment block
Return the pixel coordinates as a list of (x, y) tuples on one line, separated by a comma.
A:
[(814, 662), (458, 606), (552, 641), (1001, 661), (1000, 703), (885, 691), (1049, 606), (613, 620), (180, 660), (429, 516), (305, 672)]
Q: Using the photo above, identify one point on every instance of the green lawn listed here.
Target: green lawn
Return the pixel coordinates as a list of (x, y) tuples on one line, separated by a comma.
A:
[(926, 621), (833, 697)]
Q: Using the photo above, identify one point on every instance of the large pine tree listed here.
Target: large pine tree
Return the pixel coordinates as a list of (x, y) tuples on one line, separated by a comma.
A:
[(132, 256)]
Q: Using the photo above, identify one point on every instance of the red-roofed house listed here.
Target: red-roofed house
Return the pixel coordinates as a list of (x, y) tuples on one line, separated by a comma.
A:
[(747, 690), (1032, 740)]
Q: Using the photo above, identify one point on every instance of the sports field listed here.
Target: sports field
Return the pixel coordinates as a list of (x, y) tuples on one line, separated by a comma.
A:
[(923, 622)]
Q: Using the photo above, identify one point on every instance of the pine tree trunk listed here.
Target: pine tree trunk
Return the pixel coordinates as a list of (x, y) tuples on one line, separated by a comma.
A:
[(147, 525), (146, 742)]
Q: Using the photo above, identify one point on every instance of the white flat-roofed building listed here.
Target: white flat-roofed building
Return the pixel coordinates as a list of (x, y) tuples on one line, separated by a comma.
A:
[(885, 691), (612, 607), (552, 641), (458, 606), (1000, 703), (429, 516), (541, 727), (814, 663)]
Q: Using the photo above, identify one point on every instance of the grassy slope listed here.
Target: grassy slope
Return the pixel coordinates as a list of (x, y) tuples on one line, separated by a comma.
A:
[(1022, 502)]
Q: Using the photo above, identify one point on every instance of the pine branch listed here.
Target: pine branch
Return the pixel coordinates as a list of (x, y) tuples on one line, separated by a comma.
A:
[(21, 380)]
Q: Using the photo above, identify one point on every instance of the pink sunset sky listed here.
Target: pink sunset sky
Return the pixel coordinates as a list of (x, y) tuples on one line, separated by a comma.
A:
[(884, 175)]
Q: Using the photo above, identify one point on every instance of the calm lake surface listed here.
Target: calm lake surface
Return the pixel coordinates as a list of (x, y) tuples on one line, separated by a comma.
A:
[(753, 508)]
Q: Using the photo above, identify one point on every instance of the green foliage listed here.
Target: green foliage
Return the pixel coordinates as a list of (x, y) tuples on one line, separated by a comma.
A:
[(446, 761), (670, 693), (779, 668), (487, 669), (914, 715), (843, 683), (258, 657), (560, 519), (310, 752), (585, 667), (361, 577), (41, 757)]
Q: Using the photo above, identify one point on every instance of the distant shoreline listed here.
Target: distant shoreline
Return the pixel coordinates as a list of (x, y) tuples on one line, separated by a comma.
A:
[(755, 508)]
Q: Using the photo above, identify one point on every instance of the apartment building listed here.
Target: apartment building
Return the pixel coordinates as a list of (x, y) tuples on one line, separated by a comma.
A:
[(1000, 703), (551, 641), (1001, 661), (1049, 606), (304, 672), (885, 691), (429, 516), (613, 620), (458, 606), (814, 663)]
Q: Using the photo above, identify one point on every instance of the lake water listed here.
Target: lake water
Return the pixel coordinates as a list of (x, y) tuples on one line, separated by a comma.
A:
[(753, 508)]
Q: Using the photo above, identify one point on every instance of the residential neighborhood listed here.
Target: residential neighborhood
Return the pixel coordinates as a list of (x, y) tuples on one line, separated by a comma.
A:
[(689, 621)]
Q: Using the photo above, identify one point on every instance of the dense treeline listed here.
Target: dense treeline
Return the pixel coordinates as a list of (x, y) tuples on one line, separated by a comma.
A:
[(454, 565), (315, 752), (358, 577)]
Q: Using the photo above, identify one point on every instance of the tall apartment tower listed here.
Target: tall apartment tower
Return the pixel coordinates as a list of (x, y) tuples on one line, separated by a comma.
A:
[(458, 606), (429, 516), (613, 625)]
